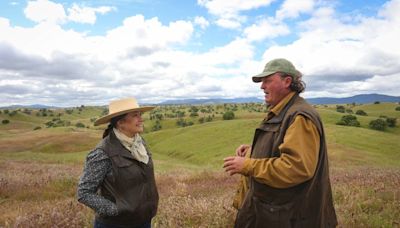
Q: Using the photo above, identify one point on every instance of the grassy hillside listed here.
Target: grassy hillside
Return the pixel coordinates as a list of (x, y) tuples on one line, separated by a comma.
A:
[(39, 169)]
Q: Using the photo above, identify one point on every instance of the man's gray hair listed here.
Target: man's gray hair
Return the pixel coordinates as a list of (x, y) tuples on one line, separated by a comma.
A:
[(297, 84)]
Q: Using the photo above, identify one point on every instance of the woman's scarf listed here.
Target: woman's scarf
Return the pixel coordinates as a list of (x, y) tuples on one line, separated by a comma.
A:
[(134, 145)]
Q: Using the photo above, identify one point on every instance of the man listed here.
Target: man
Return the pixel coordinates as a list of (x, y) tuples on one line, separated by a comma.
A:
[(286, 166)]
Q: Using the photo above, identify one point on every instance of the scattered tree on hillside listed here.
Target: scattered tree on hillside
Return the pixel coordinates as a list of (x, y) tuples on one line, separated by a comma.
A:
[(378, 124), (69, 111), (13, 113), (180, 114), (229, 115), (340, 108), (377, 102), (5, 111), (361, 112), (349, 120), (397, 108), (183, 123), (27, 111), (157, 126), (391, 122), (193, 109), (5, 121), (80, 125), (37, 128), (349, 111)]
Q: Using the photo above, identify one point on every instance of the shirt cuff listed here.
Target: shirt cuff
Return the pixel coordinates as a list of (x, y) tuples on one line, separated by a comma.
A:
[(247, 169)]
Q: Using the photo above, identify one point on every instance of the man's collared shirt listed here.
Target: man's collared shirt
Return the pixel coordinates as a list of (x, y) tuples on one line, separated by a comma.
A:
[(299, 154)]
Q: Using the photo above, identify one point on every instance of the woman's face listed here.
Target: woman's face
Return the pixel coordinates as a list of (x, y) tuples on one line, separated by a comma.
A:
[(131, 124)]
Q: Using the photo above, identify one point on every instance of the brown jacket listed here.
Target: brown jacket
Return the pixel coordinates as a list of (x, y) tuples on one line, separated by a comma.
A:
[(131, 186), (308, 204)]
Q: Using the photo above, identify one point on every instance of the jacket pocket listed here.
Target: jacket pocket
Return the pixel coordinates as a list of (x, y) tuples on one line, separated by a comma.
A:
[(271, 215), (130, 170)]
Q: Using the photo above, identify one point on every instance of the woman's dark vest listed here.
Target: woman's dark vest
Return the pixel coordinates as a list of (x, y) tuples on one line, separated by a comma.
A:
[(308, 204), (131, 186)]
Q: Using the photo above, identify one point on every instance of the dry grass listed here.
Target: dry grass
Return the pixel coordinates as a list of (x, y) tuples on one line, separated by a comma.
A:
[(196, 200), (50, 141), (35, 194), (367, 197)]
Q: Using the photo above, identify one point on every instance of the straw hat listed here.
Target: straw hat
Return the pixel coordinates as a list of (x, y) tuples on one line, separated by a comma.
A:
[(120, 107)]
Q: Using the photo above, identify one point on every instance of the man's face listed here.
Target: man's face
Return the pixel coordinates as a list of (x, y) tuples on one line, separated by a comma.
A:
[(275, 88)]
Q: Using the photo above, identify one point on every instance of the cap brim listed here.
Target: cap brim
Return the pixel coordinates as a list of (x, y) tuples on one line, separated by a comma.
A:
[(259, 77), (107, 118)]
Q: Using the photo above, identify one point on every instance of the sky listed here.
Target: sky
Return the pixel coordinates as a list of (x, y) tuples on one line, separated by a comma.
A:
[(71, 53)]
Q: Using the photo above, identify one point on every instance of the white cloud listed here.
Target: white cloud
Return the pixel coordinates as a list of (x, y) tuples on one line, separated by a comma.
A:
[(221, 7), (293, 8), (266, 29), (228, 12), (337, 54), (153, 61), (41, 11), (228, 23), (86, 14), (128, 57), (202, 22), (45, 11)]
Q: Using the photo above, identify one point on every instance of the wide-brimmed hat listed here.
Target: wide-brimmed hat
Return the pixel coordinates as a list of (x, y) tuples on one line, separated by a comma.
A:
[(120, 107), (277, 65)]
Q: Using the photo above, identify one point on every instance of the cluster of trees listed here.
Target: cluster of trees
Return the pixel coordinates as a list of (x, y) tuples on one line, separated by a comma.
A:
[(57, 122), (379, 124)]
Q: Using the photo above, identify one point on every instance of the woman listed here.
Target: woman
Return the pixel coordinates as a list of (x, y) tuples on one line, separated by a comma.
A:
[(118, 178)]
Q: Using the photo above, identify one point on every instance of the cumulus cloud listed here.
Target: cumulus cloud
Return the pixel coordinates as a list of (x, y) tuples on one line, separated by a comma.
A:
[(345, 54), (86, 14), (50, 12), (45, 11), (202, 22), (267, 28), (293, 8), (154, 60), (129, 58), (228, 12)]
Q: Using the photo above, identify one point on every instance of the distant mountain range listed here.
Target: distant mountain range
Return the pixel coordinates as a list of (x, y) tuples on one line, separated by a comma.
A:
[(34, 106), (359, 99)]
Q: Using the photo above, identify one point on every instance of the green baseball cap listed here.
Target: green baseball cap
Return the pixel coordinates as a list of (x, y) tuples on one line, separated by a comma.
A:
[(277, 65)]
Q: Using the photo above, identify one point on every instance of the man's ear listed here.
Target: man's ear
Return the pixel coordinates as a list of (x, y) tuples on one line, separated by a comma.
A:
[(288, 81)]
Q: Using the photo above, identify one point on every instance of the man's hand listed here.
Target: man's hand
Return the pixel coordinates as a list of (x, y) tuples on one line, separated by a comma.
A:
[(242, 149), (233, 165)]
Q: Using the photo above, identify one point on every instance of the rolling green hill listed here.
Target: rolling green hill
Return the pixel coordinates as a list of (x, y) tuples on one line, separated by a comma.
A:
[(39, 169), (201, 144)]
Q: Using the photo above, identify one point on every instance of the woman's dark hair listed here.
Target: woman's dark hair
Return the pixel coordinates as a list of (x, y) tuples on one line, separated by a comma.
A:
[(112, 124)]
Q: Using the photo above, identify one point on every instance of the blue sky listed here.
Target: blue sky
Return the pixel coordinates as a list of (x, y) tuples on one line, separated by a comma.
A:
[(68, 53)]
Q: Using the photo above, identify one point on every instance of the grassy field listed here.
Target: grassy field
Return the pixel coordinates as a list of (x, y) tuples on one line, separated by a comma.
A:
[(39, 169)]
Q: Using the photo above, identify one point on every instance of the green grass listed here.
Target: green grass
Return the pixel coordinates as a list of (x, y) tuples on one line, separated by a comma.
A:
[(59, 158), (205, 144), (40, 168)]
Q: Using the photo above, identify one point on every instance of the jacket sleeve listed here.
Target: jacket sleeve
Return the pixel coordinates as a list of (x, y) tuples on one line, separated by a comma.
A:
[(97, 166), (298, 160)]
